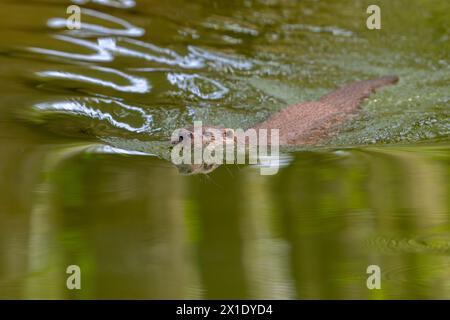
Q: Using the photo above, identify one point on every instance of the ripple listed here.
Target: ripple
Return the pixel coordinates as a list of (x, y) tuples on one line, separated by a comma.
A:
[(100, 55), (269, 161), (219, 59), (437, 243), (424, 275), (158, 54), (229, 24), (197, 85), (105, 149), (89, 29), (84, 108), (138, 85), (123, 4), (335, 31)]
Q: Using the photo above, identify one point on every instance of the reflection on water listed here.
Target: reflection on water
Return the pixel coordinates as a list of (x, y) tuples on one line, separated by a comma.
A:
[(187, 82), (110, 3), (85, 116), (88, 29), (335, 31), (161, 55), (82, 108), (138, 85), (140, 230), (219, 60), (100, 55)]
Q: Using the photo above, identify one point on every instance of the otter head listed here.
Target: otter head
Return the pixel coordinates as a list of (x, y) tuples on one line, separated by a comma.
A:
[(202, 137)]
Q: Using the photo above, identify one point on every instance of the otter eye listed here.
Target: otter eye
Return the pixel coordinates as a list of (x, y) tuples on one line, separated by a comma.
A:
[(180, 138)]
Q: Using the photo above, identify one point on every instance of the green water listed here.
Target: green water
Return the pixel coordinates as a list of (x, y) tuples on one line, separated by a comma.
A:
[(74, 113)]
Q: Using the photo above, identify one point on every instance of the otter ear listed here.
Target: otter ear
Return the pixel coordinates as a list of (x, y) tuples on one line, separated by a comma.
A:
[(228, 133)]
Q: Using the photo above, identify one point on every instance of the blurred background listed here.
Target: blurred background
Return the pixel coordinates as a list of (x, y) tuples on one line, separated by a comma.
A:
[(85, 115)]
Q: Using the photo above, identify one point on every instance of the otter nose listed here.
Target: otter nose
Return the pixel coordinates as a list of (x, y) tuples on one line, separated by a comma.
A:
[(182, 135)]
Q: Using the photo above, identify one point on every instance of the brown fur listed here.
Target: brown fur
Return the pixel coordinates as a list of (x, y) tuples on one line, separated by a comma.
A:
[(310, 122)]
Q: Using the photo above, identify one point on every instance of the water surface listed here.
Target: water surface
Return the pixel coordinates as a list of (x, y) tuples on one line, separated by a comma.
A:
[(85, 116)]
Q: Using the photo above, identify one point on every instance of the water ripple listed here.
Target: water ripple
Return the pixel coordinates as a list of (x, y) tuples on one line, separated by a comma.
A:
[(123, 4), (100, 55), (221, 59), (228, 24), (335, 31), (171, 57), (436, 243), (138, 84), (84, 108), (89, 29), (106, 149), (424, 276), (197, 85)]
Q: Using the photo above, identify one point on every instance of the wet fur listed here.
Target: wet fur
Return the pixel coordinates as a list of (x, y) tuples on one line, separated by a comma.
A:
[(307, 123)]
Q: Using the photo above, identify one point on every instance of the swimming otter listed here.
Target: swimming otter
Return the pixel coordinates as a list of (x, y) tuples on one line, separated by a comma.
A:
[(305, 123)]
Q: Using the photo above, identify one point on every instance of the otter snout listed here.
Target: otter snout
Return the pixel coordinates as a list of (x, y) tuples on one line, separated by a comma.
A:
[(181, 135)]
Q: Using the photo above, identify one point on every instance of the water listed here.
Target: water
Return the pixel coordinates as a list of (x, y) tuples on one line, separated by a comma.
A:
[(85, 118)]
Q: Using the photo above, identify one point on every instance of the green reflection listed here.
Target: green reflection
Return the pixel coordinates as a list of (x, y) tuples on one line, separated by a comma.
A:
[(140, 230)]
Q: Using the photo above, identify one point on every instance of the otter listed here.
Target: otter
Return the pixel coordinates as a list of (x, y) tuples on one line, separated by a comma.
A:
[(305, 123)]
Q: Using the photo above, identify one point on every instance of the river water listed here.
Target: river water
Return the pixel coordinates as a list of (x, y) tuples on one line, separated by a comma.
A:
[(85, 116)]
